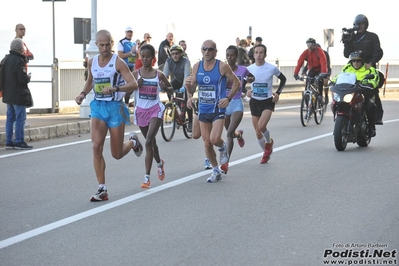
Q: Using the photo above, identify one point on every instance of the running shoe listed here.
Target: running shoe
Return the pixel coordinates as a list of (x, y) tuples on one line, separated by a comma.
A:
[(100, 195), (138, 149), (268, 152), (240, 140), (215, 177), (161, 172), (146, 183), (207, 164), (224, 156), (224, 168)]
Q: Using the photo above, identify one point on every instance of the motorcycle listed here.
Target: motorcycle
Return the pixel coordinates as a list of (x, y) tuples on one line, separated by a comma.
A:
[(348, 106)]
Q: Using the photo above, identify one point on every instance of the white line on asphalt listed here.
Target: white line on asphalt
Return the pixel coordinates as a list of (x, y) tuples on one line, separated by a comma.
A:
[(46, 228), (88, 140)]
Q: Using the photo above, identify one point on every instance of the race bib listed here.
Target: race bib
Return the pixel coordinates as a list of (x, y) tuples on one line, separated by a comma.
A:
[(207, 94), (149, 90), (260, 90), (99, 85)]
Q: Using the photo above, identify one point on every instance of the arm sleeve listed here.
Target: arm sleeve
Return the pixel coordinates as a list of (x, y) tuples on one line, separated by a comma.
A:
[(283, 80)]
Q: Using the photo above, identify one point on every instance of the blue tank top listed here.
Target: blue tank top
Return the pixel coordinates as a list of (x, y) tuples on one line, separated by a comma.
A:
[(211, 88)]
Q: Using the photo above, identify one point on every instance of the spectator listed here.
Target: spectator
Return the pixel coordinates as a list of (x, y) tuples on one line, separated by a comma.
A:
[(183, 44), (163, 51), (127, 51), (16, 94), (243, 58)]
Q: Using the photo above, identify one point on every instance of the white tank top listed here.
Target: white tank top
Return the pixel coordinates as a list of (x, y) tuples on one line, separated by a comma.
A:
[(106, 76), (148, 94)]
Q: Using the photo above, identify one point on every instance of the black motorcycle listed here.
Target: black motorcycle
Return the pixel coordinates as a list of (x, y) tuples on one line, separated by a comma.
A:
[(348, 106)]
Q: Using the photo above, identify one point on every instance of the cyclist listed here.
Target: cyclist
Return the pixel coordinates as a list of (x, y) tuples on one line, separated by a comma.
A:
[(358, 66), (317, 63), (305, 69), (235, 110), (178, 68)]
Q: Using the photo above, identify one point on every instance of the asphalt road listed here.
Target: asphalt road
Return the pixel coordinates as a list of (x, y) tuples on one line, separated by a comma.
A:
[(310, 205)]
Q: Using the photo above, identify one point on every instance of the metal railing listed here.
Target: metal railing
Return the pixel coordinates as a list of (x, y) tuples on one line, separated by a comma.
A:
[(67, 81)]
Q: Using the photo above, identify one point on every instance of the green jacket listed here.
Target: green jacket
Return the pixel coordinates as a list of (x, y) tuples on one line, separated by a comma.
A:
[(361, 74)]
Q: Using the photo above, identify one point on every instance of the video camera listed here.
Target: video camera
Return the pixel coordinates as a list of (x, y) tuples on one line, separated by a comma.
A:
[(347, 34)]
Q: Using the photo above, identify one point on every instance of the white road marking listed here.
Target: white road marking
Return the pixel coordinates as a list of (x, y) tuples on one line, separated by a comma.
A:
[(46, 228)]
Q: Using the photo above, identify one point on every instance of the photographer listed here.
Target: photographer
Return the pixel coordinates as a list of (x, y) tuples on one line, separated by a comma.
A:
[(358, 38)]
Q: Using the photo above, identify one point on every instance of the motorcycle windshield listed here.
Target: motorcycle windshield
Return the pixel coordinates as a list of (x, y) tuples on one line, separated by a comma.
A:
[(346, 78)]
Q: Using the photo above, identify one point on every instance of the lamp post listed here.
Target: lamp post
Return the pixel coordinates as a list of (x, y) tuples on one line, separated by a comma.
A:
[(92, 50)]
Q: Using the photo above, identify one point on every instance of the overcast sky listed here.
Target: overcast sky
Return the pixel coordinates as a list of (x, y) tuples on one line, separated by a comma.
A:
[(284, 25)]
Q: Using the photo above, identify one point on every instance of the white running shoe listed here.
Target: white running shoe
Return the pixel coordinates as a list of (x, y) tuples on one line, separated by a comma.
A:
[(224, 156), (215, 177)]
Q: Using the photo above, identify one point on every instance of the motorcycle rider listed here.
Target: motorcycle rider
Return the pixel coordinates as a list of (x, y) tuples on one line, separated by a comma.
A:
[(369, 44), (357, 65)]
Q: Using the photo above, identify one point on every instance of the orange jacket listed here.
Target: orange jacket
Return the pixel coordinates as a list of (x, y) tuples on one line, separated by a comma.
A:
[(316, 61)]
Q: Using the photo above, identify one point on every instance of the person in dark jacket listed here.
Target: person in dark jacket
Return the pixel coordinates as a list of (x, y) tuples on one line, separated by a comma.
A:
[(163, 51), (16, 94), (369, 44), (243, 58)]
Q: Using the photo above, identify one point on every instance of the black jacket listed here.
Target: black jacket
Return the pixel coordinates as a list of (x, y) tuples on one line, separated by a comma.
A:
[(163, 52), (16, 79), (368, 43)]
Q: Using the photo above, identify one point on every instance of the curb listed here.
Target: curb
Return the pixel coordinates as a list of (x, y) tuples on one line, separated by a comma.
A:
[(55, 131)]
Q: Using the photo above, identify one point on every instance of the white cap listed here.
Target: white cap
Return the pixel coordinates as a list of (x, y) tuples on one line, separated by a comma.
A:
[(128, 29)]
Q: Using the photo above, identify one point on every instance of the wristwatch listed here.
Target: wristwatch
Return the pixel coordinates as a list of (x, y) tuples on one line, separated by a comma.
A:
[(117, 88)]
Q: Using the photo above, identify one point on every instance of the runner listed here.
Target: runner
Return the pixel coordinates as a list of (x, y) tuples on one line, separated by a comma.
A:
[(263, 99), (210, 74), (148, 110)]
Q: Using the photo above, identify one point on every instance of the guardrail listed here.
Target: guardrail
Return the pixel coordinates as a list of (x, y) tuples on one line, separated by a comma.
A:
[(55, 91)]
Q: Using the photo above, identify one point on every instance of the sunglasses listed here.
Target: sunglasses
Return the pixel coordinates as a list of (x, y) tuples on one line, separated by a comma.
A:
[(210, 49), (357, 61)]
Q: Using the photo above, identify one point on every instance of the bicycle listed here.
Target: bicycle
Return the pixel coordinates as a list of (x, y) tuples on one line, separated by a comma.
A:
[(311, 103), (176, 116)]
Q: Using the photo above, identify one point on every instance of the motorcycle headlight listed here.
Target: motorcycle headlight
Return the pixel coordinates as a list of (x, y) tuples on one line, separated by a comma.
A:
[(348, 97), (336, 97)]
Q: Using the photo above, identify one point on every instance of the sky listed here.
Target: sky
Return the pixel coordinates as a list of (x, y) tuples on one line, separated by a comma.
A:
[(284, 25)]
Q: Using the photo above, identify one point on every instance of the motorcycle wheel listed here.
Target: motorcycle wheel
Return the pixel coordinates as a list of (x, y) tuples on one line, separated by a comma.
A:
[(305, 110), (364, 140), (340, 133)]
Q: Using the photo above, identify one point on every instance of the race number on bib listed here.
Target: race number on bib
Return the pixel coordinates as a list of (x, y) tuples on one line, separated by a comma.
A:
[(260, 90), (99, 85), (207, 94), (149, 90)]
